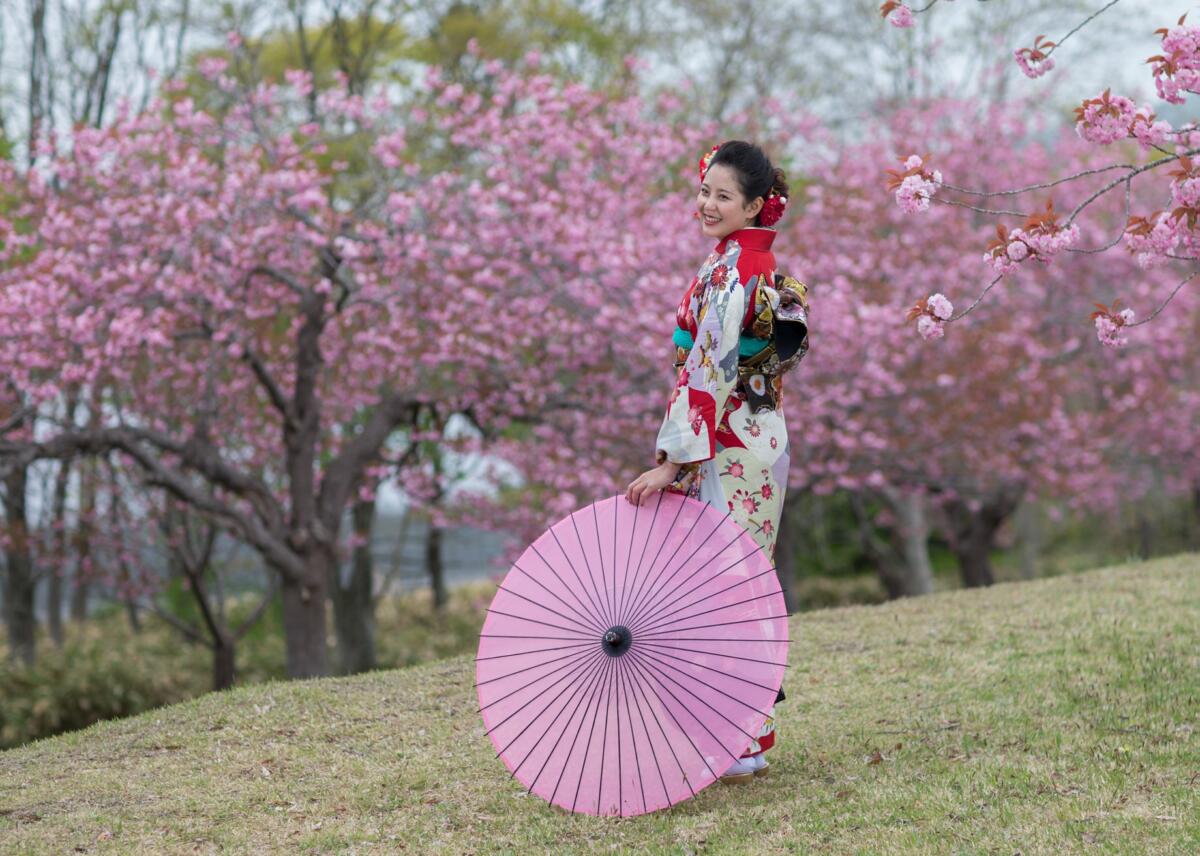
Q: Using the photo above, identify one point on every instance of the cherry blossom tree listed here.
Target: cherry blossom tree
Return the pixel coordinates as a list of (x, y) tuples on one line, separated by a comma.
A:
[(1149, 163), (237, 302), (958, 433)]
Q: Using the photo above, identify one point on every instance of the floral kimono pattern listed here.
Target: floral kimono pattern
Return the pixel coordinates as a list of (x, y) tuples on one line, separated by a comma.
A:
[(733, 458)]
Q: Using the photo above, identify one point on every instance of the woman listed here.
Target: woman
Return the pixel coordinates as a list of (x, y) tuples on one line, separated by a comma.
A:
[(723, 439)]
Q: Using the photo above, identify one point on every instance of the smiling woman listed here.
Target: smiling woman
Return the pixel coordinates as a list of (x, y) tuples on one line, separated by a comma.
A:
[(723, 439)]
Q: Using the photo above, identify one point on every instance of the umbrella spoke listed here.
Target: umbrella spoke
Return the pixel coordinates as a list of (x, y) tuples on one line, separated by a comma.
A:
[(629, 553), (578, 686), (692, 615), (589, 617), (566, 723), (658, 680), (720, 624), (495, 611), (733, 675), (663, 591), (673, 668), (658, 613), (646, 674), (592, 704), (591, 736), (523, 636), (582, 667), (574, 570), (583, 551), (650, 742), (572, 655), (575, 622), (531, 651), (622, 683), (653, 643), (640, 578), (610, 591), (666, 741)]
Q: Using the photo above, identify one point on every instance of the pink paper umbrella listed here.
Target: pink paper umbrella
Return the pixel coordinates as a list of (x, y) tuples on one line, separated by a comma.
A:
[(631, 655)]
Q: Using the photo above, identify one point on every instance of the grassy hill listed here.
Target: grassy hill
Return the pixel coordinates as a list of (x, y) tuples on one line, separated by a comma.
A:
[(1056, 716)]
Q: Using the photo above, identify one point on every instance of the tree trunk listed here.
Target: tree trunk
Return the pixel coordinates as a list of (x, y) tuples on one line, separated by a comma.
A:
[(1028, 539), (19, 583), (353, 603), (304, 623), (435, 565), (135, 620), (1145, 533), (902, 558), (973, 532), (912, 532), (224, 671), (56, 564), (83, 542), (54, 603)]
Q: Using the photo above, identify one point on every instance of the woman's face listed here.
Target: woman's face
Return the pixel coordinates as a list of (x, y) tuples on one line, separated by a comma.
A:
[(723, 208)]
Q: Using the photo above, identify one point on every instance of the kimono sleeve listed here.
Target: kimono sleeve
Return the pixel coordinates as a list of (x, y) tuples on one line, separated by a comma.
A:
[(709, 374)]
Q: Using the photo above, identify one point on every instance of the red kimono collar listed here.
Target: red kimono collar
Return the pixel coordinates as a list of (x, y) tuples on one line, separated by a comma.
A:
[(750, 238)]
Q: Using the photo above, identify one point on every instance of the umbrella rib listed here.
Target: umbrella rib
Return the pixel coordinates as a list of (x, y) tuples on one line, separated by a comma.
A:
[(588, 750), (628, 553), (532, 651), (652, 598), (575, 622), (495, 611), (718, 624), (666, 741), (646, 543), (616, 508), (641, 578), (658, 613), (577, 686), (665, 664), (650, 742), (642, 556), (692, 615), (574, 570), (523, 636), (760, 640), (561, 734), (623, 683), (574, 740), (711, 669), (588, 565), (655, 600), (563, 583), (620, 746), (603, 755), (667, 689), (574, 654), (654, 643), (585, 664), (642, 670), (609, 592)]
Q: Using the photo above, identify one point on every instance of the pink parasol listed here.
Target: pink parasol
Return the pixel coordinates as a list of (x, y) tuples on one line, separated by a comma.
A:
[(631, 655)]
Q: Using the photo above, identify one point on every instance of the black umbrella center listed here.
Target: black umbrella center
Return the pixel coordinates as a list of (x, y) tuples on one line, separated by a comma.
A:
[(616, 641)]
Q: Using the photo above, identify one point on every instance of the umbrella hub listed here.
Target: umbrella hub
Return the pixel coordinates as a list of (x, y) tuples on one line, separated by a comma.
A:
[(616, 641)]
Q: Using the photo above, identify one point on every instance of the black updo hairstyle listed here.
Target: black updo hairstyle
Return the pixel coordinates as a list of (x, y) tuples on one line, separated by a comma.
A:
[(755, 175)]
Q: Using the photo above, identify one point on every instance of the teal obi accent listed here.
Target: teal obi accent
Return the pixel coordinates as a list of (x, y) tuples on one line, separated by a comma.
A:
[(748, 346)]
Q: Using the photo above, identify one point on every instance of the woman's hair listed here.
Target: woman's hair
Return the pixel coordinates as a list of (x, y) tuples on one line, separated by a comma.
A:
[(755, 175)]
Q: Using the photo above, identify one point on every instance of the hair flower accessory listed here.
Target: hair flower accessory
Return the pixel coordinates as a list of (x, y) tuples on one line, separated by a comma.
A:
[(706, 159), (772, 209)]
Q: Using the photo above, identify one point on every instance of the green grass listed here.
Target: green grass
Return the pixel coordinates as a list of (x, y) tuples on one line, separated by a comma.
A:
[(1055, 716)]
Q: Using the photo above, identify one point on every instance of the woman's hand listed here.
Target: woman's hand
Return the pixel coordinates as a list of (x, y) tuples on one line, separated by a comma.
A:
[(651, 481)]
